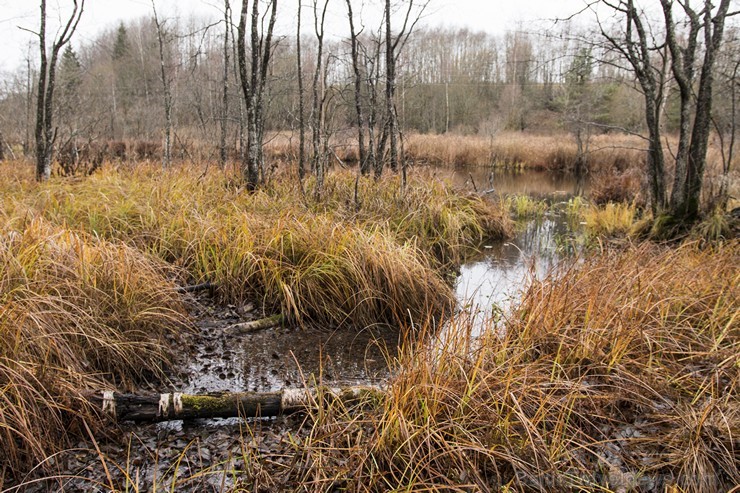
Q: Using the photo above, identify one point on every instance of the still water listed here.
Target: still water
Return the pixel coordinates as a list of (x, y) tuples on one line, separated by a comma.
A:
[(489, 284)]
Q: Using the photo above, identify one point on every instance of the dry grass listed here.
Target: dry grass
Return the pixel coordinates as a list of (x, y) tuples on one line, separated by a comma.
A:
[(552, 152), (86, 290), (332, 261), (75, 313), (621, 375)]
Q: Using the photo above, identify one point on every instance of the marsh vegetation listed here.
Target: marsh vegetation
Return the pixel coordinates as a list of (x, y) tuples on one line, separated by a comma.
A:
[(523, 248)]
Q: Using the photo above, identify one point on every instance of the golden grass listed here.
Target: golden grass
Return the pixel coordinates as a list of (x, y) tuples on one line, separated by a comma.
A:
[(76, 313), (610, 220), (87, 293), (516, 149), (332, 261), (621, 374)]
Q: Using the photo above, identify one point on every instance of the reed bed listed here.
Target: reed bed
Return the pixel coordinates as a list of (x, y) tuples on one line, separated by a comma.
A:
[(76, 312), (620, 374)]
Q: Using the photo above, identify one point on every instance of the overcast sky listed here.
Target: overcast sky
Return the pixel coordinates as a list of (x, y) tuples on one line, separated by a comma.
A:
[(494, 16)]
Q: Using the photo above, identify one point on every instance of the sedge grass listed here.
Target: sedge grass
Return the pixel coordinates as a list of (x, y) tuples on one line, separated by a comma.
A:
[(76, 313), (358, 257), (87, 297), (620, 374)]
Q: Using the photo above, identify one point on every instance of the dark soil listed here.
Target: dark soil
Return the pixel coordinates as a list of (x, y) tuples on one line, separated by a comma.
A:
[(148, 457)]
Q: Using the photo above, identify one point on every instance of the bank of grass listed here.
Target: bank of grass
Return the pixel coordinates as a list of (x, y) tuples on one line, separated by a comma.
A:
[(375, 256), (621, 374), (556, 152), (76, 312)]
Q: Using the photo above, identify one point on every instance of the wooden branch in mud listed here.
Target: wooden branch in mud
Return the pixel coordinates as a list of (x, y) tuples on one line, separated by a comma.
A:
[(178, 406), (195, 288), (256, 325)]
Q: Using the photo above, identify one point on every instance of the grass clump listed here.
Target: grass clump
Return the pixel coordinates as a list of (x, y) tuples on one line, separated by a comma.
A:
[(526, 207), (621, 374), (610, 220), (359, 258), (76, 313)]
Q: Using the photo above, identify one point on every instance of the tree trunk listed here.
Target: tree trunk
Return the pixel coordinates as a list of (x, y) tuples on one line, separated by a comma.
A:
[(301, 101), (257, 325), (655, 158), (45, 135), (253, 86), (390, 87), (167, 152), (713, 32), (682, 66), (43, 161), (364, 168), (222, 154), (179, 406)]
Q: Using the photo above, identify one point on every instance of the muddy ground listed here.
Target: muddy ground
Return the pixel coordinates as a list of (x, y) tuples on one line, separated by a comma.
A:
[(214, 358)]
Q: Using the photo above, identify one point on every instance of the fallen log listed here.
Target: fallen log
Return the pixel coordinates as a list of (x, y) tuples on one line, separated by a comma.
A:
[(255, 325), (180, 406)]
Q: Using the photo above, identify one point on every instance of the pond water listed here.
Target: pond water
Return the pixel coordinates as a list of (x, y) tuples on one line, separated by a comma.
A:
[(537, 184), (489, 284), (286, 357)]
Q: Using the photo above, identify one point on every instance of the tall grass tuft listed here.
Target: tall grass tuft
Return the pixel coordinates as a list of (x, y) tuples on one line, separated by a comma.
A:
[(620, 374), (76, 312), (612, 219)]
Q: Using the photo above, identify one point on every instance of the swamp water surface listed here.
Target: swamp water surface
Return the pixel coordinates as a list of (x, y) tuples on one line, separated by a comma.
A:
[(217, 360)]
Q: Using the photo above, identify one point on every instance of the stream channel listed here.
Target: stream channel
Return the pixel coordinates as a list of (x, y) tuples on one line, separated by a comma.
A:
[(144, 457)]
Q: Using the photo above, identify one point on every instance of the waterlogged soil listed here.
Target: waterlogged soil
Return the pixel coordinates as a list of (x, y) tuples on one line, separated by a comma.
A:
[(216, 358), (222, 359)]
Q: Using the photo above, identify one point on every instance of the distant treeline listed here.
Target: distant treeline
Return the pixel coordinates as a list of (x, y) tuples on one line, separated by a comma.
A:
[(448, 80)]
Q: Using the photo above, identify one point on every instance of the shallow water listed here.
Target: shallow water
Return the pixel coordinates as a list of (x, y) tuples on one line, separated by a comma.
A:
[(538, 184), (286, 357), (489, 284)]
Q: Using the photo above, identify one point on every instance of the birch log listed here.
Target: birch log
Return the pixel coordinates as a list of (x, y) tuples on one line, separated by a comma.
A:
[(180, 406)]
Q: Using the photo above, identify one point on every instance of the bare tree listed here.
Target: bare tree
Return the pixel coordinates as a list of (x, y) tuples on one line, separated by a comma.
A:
[(639, 46), (393, 46), (253, 82), (45, 131), (166, 86), (685, 199), (726, 119), (317, 120), (364, 163), (225, 87), (301, 101)]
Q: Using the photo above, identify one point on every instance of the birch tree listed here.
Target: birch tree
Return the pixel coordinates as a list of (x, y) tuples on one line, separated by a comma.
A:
[(253, 78), (45, 131), (167, 90)]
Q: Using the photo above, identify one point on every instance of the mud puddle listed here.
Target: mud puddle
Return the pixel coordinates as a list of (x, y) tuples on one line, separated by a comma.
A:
[(220, 359)]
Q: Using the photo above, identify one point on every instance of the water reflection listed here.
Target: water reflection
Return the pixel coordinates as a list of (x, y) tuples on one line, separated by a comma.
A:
[(488, 286), (538, 184)]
